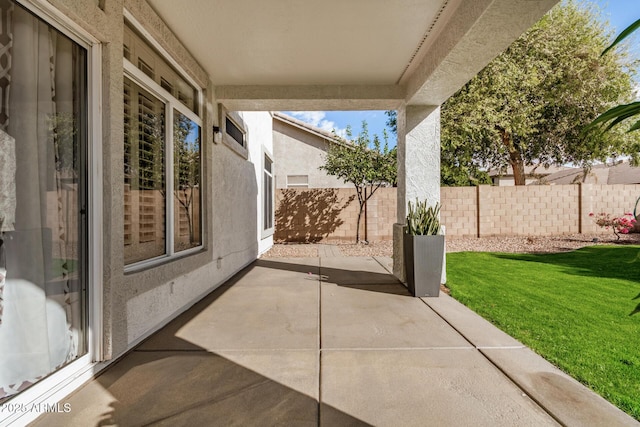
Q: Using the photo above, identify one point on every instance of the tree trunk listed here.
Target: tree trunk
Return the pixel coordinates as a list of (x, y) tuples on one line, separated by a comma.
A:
[(362, 200), (190, 226), (366, 237), (515, 159), (358, 223)]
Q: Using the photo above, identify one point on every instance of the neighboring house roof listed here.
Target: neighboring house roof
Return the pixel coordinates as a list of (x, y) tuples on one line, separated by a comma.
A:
[(530, 170), (624, 173), (306, 126), (620, 173)]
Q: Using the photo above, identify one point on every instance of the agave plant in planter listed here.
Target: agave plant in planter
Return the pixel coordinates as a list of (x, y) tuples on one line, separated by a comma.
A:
[(423, 249)]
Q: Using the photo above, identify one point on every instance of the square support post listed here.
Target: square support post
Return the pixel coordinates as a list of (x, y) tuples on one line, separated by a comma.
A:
[(418, 167)]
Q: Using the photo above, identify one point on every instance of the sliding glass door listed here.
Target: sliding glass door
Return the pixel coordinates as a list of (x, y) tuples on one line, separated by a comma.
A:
[(43, 199)]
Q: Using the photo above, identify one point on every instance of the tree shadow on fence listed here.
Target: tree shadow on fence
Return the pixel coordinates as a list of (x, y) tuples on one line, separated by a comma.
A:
[(309, 215)]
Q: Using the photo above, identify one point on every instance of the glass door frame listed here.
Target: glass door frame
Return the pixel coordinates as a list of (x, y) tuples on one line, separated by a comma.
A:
[(43, 396)]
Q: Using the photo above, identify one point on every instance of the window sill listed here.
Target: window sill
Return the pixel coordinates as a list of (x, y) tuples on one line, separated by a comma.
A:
[(161, 260), (235, 147), (267, 233)]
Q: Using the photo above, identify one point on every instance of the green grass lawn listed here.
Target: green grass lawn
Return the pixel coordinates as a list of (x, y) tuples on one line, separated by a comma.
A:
[(572, 308)]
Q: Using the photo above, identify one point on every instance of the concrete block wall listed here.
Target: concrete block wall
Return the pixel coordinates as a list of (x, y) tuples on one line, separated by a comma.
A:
[(329, 215), (526, 211), (381, 214), (459, 211), (612, 199)]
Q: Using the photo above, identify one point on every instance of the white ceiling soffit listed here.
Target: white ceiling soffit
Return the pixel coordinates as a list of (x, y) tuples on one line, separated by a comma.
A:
[(380, 51), (297, 42)]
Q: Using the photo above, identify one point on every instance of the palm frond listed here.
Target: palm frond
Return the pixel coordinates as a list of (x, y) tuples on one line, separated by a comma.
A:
[(623, 35), (616, 115)]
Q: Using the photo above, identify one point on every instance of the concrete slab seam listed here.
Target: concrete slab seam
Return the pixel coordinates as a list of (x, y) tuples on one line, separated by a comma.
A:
[(223, 350), (448, 323), (382, 265), (498, 347), (517, 384), (396, 348), (171, 350), (509, 377)]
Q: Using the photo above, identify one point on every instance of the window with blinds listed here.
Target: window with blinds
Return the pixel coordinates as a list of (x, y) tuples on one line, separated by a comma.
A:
[(162, 199), (144, 174)]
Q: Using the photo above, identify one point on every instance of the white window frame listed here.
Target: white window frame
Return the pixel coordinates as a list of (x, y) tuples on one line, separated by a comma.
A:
[(266, 232), (172, 103), (60, 383)]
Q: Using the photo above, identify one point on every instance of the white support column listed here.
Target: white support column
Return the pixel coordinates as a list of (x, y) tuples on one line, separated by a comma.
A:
[(418, 167)]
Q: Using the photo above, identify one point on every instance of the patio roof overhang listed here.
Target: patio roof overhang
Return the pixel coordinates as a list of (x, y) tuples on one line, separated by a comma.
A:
[(344, 55)]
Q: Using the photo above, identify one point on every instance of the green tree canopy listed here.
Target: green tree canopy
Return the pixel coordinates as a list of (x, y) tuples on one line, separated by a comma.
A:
[(531, 103), (366, 164), (625, 113)]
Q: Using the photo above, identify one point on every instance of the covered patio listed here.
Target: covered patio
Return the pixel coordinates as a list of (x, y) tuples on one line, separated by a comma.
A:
[(331, 341)]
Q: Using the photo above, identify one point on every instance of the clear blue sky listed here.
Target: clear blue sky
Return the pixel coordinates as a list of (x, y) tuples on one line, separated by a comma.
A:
[(619, 14)]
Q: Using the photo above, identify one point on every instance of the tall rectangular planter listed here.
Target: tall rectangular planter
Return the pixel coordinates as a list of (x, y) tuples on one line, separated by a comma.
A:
[(423, 264)]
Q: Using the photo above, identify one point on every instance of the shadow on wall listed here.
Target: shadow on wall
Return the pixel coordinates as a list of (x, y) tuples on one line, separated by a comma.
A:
[(309, 215)]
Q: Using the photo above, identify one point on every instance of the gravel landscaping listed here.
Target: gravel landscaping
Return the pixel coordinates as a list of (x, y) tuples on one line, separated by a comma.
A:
[(514, 244)]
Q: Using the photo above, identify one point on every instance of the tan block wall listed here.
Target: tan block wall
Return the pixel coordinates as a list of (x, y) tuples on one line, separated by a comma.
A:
[(612, 199), (532, 210), (381, 214), (459, 211), (329, 215)]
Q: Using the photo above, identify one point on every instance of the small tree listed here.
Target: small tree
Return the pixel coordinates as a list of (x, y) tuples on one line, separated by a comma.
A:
[(365, 164)]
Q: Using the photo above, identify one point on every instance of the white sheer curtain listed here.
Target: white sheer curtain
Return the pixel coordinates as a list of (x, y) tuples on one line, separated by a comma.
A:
[(40, 325)]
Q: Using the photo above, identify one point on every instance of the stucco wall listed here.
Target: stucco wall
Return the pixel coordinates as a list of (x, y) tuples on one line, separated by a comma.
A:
[(138, 302), (298, 152), (260, 142)]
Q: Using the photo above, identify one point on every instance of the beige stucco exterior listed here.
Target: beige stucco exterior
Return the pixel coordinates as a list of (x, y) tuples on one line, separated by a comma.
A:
[(136, 303), (300, 151)]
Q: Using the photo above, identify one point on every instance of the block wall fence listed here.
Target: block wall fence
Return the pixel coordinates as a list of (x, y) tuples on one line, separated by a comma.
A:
[(329, 215)]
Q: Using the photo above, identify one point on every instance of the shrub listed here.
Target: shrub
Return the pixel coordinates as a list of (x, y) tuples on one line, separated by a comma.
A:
[(619, 225)]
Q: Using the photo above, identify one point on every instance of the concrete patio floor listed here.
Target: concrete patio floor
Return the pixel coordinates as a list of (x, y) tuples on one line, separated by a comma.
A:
[(332, 341)]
